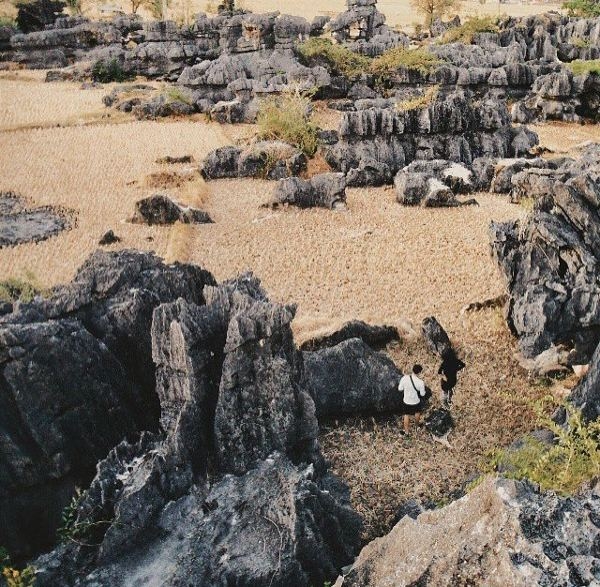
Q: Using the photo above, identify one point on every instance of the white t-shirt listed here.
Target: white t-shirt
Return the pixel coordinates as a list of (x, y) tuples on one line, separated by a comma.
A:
[(411, 397)]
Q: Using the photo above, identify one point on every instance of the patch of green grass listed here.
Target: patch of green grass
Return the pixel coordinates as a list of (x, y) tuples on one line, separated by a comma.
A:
[(288, 118), (109, 71), (580, 67), (466, 32), (391, 61), (14, 289), (336, 57), (175, 94), (564, 466), (7, 21)]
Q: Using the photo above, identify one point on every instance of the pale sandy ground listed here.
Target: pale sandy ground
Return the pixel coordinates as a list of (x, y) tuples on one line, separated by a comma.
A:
[(377, 262)]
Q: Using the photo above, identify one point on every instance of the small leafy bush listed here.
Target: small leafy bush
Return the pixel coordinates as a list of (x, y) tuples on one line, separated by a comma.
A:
[(336, 57), (109, 71), (416, 59), (564, 466), (15, 289), (579, 67), (7, 21), (582, 43), (585, 8), (418, 102), (12, 576), (288, 118), (467, 31)]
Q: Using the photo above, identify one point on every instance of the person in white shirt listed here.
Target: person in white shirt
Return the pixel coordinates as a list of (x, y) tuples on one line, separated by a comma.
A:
[(413, 389)]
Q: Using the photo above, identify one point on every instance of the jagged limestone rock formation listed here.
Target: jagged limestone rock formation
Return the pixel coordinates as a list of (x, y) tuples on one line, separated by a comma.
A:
[(233, 400), (501, 533), (550, 259), (76, 378), (161, 210), (376, 142)]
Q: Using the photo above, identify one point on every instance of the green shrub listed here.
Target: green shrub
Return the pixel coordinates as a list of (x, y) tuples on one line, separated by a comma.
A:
[(336, 57), (467, 31), (14, 289), (582, 43), (109, 71), (12, 576), (579, 67), (416, 59), (585, 8), (562, 467), (419, 102), (288, 118)]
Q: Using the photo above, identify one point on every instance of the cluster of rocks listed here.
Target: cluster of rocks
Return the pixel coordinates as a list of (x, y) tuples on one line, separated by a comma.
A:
[(362, 28), (550, 259), (22, 224), (264, 159), (229, 459), (377, 140)]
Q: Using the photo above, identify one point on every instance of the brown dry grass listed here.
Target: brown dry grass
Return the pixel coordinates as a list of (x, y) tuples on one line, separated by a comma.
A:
[(93, 170), (564, 138)]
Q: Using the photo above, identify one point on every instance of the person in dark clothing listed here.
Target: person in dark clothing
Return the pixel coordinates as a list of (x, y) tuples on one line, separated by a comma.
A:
[(449, 368)]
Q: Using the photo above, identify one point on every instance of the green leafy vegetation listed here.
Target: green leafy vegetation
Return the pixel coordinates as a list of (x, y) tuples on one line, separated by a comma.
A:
[(12, 576), (419, 102), (579, 67), (585, 8), (465, 33), (563, 466), (7, 21), (109, 71), (419, 59), (336, 57), (14, 289), (288, 118)]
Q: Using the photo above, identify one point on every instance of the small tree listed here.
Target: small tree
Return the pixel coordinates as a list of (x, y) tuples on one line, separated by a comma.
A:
[(136, 5), (432, 9), (585, 8)]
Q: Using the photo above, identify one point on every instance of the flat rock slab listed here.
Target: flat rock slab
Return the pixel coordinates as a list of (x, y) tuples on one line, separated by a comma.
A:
[(18, 225)]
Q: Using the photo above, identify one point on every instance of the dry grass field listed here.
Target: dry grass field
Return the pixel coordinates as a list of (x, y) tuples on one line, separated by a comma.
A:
[(377, 261), (399, 13)]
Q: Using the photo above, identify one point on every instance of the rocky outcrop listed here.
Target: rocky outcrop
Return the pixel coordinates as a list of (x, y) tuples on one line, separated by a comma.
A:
[(265, 160), (560, 96), (501, 533), (351, 379), (161, 210), (550, 259), (586, 396), (433, 184), (379, 140), (436, 337), (326, 190), (362, 28), (76, 378), (236, 491), (377, 337)]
